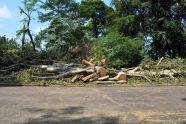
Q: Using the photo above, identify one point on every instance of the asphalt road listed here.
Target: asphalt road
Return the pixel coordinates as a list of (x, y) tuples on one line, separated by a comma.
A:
[(104, 105)]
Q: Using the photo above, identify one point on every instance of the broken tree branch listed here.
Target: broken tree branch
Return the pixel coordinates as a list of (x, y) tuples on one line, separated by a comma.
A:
[(160, 61)]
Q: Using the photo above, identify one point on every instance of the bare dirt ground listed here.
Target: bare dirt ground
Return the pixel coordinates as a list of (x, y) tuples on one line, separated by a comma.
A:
[(103, 105)]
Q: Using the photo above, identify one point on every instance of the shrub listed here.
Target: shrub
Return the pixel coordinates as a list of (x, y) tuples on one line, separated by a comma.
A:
[(9, 51), (121, 51)]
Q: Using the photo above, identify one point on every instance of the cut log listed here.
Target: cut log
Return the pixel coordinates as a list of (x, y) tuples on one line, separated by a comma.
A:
[(89, 77), (90, 70), (105, 82), (62, 75), (75, 78), (121, 76), (103, 78), (134, 70), (121, 82), (112, 79), (101, 71), (93, 79), (110, 82), (43, 66), (52, 69), (85, 62)]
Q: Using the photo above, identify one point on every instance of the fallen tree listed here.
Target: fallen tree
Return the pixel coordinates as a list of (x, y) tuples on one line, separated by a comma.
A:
[(90, 72)]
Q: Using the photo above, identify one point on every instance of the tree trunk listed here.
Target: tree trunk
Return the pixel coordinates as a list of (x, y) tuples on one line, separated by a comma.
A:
[(29, 34), (23, 38), (31, 40)]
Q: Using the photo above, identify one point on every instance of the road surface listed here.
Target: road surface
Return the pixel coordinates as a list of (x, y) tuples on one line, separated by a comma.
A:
[(103, 105)]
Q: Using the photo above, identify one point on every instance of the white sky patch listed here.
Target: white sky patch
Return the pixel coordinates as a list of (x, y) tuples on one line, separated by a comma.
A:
[(13, 37), (5, 12), (38, 29)]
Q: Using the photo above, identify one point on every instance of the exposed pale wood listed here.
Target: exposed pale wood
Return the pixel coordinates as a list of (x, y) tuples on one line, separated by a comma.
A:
[(52, 69), (105, 82), (134, 70), (93, 79), (62, 75), (103, 78), (90, 70), (109, 82), (121, 76), (105, 61), (85, 62), (160, 61), (112, 79), (122, 81), (101, 71), (89, 77), (75, 78)]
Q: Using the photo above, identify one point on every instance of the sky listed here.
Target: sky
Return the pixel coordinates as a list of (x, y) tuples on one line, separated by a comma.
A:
[(10, 18)]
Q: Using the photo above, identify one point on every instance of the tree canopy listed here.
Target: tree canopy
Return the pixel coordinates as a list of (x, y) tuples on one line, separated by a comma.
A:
[(124, 28)]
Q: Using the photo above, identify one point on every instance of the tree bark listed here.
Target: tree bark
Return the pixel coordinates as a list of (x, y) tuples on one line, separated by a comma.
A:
[(29, 34)]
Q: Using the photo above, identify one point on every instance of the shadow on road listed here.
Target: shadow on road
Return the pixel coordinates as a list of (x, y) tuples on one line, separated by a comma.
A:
[(70, 115), (184, 99)]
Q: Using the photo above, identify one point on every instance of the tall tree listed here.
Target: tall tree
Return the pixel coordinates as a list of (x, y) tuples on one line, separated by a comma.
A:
[(58, 8), (168, 26), (64, 30), (27, 10), (159, 20), (95, 12)]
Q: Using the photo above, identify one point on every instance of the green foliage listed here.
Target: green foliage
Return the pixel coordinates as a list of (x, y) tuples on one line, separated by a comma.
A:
[(167, 29), (121, 51), (25, 76), (126, 25), (90, 8), (96, 12), (58, 8), (60, 36), (29, 6), (9, 51), (64, 33)]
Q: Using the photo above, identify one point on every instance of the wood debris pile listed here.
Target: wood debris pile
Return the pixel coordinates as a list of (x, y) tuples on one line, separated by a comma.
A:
[(87, 71), (90, 72)]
